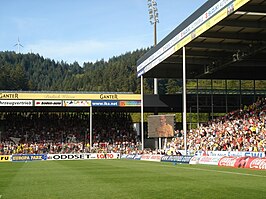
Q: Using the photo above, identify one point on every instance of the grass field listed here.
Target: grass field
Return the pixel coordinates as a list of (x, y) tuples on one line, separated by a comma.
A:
[(127, 179)]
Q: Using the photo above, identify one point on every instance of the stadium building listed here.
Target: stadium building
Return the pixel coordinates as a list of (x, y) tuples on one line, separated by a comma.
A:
[(223, 40)]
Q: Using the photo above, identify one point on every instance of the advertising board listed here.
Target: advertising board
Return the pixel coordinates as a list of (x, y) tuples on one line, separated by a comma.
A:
[(177, 159), (48, 103), (16, 103), (28, 157), (5, 158)]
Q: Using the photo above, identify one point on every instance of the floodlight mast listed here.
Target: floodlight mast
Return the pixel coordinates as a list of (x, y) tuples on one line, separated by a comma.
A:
[(154, 19)]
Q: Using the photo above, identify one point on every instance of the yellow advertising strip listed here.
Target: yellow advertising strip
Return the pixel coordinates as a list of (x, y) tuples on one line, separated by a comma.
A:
[(69, 96), (240, 3), (210, 23), (5, 158)]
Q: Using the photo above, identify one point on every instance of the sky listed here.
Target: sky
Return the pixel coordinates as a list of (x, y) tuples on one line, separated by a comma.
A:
[(86, 30)]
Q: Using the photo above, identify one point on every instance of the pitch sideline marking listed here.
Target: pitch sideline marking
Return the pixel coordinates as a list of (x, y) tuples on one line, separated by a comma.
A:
[(227, 172), (211, 170)]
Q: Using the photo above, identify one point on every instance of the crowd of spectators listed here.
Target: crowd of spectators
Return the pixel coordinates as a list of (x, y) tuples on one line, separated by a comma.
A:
[(239, 130), (40, 133)]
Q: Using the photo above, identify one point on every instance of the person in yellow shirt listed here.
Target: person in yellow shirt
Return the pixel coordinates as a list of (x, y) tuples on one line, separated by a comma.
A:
[(164, 130)]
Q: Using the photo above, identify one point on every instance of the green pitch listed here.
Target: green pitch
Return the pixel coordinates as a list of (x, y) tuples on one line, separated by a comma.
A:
[(115, 179)]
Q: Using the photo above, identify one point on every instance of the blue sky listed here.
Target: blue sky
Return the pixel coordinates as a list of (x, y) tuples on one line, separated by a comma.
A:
[(86, 30)]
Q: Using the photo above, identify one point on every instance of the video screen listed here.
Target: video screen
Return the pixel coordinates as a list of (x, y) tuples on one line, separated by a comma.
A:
[(161, 126)]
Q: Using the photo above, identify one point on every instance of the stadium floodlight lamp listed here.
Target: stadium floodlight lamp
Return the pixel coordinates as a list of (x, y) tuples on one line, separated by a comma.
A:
[(154, 19), (153, 11)]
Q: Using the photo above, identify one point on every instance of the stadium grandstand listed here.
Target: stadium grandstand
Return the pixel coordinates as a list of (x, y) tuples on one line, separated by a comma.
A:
[(222, 40), (190, 47), (63, 122)]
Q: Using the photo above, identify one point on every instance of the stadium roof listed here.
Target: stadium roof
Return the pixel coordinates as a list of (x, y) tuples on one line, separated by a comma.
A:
[(224, 39)]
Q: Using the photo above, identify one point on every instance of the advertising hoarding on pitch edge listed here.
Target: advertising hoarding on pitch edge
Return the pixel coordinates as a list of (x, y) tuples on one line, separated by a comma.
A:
[(28, 157), (178, 159), (5, 158), (83, 156), (243, 162)]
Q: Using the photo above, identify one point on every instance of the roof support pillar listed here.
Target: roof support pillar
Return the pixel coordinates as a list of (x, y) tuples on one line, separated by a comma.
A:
[(141, 113), (197, 103), (212, 98), (91, 144), (240, 94), (254, 90), (184, 100)]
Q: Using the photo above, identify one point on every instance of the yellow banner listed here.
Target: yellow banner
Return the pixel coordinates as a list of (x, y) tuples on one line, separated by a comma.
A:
[(211, 22), (69, 96), (240, 3), (5, 158)]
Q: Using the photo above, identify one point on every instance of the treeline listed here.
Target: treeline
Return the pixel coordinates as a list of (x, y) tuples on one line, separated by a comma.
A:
[(32, 72)]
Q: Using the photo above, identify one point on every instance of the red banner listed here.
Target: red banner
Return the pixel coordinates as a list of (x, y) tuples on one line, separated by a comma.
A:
[(258, 163), (243, 162), (227, 161)]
